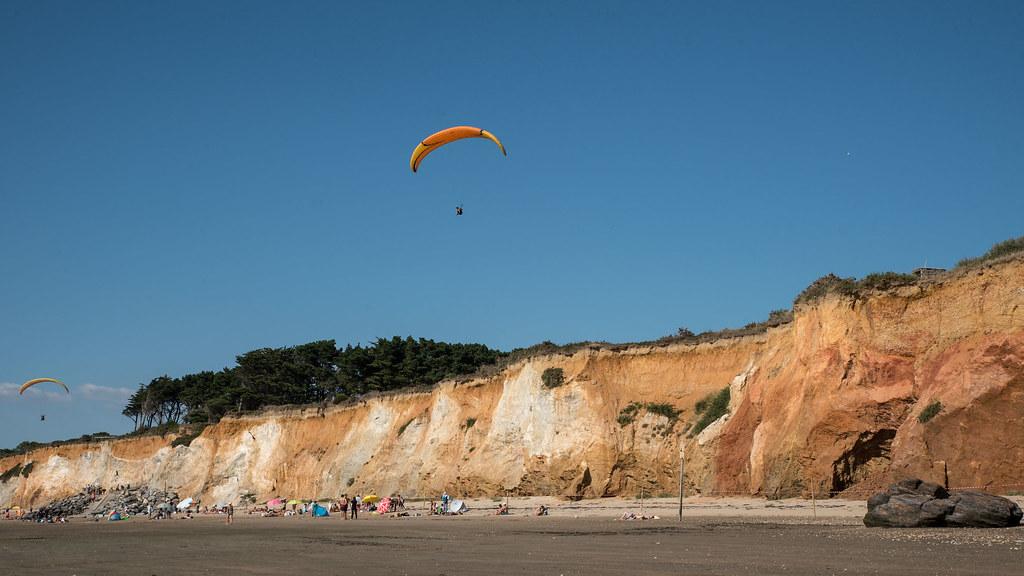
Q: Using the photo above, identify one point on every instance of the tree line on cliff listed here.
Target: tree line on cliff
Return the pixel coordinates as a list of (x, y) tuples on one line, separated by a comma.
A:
[(313, 373)]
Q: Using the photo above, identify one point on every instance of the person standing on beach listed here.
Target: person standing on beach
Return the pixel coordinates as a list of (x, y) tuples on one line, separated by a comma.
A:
[(231, 513), (355, 508), (343, 506)]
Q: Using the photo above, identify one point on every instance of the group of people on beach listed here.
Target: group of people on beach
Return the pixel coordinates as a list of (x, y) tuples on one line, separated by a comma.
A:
[(348, 506), (444, 507)]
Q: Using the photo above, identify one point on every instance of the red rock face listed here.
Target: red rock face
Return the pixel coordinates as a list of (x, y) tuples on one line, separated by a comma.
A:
[(978, 434), (840, 412)]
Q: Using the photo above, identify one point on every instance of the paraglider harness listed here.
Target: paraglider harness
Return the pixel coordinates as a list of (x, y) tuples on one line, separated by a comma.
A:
[(458, 210)]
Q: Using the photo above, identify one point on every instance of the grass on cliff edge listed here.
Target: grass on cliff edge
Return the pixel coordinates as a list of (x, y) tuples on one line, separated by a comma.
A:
[(1000, 250), (832, 284), (828, 284)]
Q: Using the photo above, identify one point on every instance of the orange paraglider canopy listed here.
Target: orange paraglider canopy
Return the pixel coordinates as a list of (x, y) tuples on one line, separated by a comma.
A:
[(35, 381), (438, 139)]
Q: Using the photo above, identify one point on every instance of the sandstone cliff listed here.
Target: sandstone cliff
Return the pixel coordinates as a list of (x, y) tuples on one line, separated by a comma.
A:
[(828, 402)]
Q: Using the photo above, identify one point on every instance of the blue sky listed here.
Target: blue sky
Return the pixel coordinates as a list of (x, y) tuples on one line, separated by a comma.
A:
[(182, 182)]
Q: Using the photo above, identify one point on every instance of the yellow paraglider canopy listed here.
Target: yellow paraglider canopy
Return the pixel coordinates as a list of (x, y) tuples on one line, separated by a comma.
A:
[(438, 139), (35, 381)]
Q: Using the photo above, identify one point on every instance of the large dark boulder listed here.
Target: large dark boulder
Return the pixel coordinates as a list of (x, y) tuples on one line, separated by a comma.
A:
[(913, 503), (984, 511)]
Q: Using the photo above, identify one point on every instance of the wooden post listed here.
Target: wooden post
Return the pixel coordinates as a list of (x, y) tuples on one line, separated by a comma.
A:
[(682, 483)]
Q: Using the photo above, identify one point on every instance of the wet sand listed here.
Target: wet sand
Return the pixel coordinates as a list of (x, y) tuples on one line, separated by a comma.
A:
[(574, 540)]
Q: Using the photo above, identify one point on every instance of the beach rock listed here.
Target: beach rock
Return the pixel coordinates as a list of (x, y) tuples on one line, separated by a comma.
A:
[(99, 502), (982, 510), (913, 503)]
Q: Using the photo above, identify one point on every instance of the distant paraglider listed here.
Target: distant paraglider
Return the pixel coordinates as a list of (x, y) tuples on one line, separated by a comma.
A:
[(446, 136), (35, 381)]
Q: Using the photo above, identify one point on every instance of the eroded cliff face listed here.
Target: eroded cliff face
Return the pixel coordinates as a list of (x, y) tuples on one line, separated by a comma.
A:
[(829, 402)]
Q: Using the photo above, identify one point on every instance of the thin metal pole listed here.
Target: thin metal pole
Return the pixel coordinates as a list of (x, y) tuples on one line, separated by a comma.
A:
[(682, 473)]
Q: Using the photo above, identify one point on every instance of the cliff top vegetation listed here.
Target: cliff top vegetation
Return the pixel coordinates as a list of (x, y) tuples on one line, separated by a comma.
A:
[(880, 281)]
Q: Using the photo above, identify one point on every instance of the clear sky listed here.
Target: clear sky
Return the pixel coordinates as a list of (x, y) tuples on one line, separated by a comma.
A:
[(181, 182)]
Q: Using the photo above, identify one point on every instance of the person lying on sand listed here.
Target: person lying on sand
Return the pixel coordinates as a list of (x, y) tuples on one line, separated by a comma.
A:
[(634, 516)]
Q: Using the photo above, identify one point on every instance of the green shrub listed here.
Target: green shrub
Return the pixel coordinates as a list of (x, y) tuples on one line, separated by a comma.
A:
[(350, 481), (27, 469), (1004, 248), (828, 284), (930, 411), (886, 280), (663, 409), (628, 415), (713, 407), (553, 377), (12, 473), (470, 422), (187, 436), (402, 428), (703, 403), (832, 284)]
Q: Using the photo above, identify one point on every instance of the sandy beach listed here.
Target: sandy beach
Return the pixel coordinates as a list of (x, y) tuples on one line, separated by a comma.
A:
[(716, 536)]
